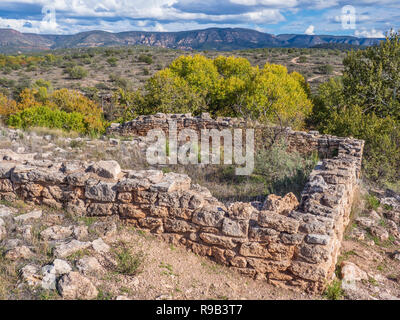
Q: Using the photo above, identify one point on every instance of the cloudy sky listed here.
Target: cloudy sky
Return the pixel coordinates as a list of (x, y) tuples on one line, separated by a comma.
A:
[(366, 18)]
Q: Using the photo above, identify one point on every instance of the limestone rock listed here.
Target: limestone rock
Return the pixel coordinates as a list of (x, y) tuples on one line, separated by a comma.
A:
[(80, 232), (49, 277), (22, 252), (102, 191), (56, 233), (374, 215), (254, 249), (64, 250), (89, 265), (3, 232), (365, 222), (30, 275), (61, 266), (281, 205), (357, 234), (25, 231), (380, 232), (106, 169), (351, 273), (12, 243), (31, 216), (317, 239), (5, 168), (74, 286), (209, 216), (235, 228), (6, 212), (241, 211), (278, 222), (172, 182), (100, 246), (104, 229)]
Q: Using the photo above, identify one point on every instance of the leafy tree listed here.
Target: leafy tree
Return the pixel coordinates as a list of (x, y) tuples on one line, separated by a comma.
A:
[(228, 87), (372, 78), (365, 104)]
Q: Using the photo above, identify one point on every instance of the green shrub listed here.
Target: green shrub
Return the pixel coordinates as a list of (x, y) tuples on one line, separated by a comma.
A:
[(283, 171), (77, 72), (373, 202), (334, 290), (303, 59), (326, 69), (112, 61), (128, 263), (145, 58), (44, 116)]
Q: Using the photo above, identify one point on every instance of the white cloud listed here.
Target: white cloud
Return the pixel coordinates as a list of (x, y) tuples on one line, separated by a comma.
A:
[(369, 34), (166, 15), (310, 30)]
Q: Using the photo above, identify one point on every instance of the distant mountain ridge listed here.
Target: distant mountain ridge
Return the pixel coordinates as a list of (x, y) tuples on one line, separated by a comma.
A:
[(12, 41)]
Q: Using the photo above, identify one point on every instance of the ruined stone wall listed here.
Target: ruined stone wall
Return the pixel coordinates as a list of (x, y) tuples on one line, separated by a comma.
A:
[(291, 246), (327, 146)]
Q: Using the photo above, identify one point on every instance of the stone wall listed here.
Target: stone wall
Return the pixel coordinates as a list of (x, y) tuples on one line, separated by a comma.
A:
[(327, 146), (289, 244)]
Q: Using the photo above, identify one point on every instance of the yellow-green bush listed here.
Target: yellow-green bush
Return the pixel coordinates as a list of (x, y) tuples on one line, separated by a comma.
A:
[(78, 112), (44, 116), (226, 87), (7, 106)]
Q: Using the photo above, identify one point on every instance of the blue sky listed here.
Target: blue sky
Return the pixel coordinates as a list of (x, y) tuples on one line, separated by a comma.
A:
[(372, 17)]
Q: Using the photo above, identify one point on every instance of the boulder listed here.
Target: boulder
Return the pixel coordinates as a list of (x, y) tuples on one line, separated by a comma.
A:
[(30, 275), (17, 253), (6, 212), (49, 277), (80, 232), (106, 169), (64, 250), (100, 246), (61, 266), (89, 265), (350, 274), (31, 216), (74, 286), (56, 233)]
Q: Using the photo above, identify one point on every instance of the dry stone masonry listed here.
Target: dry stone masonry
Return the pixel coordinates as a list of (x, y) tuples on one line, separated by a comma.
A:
[(290, 244)]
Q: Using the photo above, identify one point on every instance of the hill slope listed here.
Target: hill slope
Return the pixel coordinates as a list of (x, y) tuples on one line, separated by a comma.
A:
[(208, 39)]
